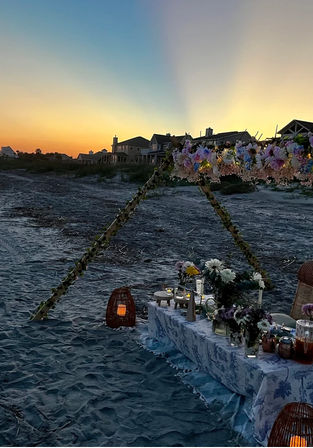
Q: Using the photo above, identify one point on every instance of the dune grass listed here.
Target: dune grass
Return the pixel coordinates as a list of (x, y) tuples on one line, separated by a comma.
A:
[(128, 173)]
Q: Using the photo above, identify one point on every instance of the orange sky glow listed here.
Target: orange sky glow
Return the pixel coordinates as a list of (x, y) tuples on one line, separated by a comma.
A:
[(73, 76)]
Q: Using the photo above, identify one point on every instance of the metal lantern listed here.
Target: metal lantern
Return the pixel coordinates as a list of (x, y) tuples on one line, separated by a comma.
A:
[(293, 426), (121, 310)]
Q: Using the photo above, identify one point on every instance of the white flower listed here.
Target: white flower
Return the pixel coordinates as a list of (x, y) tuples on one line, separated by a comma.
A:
[(214, 265), (258, 159), (186, 265), (281, 154), (295, 163), (227, 275), (290, 147), (264, 325), (257, 277), (244, 320), (228, 157)]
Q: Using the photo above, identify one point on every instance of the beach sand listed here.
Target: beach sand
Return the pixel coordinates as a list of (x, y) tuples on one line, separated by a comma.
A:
[(71, 381)]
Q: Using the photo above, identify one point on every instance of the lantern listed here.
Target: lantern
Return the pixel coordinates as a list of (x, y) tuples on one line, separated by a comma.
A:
[(293, 426), (121, 310)]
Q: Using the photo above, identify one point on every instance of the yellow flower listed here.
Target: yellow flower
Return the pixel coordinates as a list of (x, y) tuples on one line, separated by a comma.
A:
[(192, 270)]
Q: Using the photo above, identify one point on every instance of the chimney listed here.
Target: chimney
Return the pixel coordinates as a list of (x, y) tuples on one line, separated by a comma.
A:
[(114, 146), (208, 132)]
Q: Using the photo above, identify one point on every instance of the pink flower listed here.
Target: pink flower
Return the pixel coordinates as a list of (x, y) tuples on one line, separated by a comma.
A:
[(276, 164), (179, 265), (187, 163)]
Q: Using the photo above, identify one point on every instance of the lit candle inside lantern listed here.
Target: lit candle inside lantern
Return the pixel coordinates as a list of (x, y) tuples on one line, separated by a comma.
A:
[(188, 295), (121, 310), (298, 441)]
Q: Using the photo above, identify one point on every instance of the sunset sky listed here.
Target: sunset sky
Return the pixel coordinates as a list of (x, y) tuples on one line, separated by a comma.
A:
[(76, 72)]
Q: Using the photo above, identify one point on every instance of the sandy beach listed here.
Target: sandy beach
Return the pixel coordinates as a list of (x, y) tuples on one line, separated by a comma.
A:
[(71, 381)]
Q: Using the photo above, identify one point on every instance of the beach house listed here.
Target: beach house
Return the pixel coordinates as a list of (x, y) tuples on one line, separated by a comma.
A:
[(8, 152), (222, 138), (129, 150), (296, 127)]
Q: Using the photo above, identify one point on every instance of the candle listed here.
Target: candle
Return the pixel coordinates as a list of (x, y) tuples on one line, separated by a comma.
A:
[(188, 295), (260, 298), (298, 441), (121, 310)]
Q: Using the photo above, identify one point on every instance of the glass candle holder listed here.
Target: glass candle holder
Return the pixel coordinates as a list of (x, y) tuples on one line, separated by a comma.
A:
[(304, 341), (268, 343), (285, 347)]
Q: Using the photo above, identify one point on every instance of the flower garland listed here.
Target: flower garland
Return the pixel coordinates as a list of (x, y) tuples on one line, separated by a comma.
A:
[(228, 224), (282, 162), (101, 241)]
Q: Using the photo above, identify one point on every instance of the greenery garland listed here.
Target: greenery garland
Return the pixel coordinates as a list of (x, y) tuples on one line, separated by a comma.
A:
[(101, 241), (227, 223)]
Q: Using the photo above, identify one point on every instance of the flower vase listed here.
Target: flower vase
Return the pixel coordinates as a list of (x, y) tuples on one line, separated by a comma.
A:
[(252, 342), (220, 327), (235, 338)]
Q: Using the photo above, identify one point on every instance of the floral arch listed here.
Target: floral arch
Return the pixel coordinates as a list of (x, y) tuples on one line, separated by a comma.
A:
[(279, 162)]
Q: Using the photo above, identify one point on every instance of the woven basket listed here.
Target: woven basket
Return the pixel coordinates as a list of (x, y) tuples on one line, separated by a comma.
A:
[(293, 426), (304, 292)]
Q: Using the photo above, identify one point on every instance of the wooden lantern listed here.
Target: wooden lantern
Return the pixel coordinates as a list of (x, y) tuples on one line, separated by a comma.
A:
[(304, 292), (121, 310), (293, 426)]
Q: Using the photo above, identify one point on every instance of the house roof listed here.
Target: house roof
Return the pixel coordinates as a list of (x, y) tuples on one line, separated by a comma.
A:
[(223, 135), (85, 156), (136, 141), (306, 124), (162, 139), (101, 153)]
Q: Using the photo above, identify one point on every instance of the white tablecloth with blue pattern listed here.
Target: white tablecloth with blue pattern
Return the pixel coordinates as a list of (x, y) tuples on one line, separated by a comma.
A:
[(268, 382)]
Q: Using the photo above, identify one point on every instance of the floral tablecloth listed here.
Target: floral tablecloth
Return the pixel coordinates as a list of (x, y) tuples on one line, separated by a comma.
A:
[(266, 384)]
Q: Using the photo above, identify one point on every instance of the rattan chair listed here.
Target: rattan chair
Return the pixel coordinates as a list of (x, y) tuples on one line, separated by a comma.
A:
[(304, 292)]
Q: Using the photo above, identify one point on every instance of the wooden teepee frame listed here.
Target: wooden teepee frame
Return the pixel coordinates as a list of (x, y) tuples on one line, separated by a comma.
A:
[(101, 242)]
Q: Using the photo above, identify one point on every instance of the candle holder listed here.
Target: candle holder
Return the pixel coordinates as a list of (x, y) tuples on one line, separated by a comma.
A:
[(268, 343)]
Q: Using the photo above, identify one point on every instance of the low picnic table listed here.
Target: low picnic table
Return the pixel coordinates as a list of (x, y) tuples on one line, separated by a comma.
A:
[(268, 382)]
